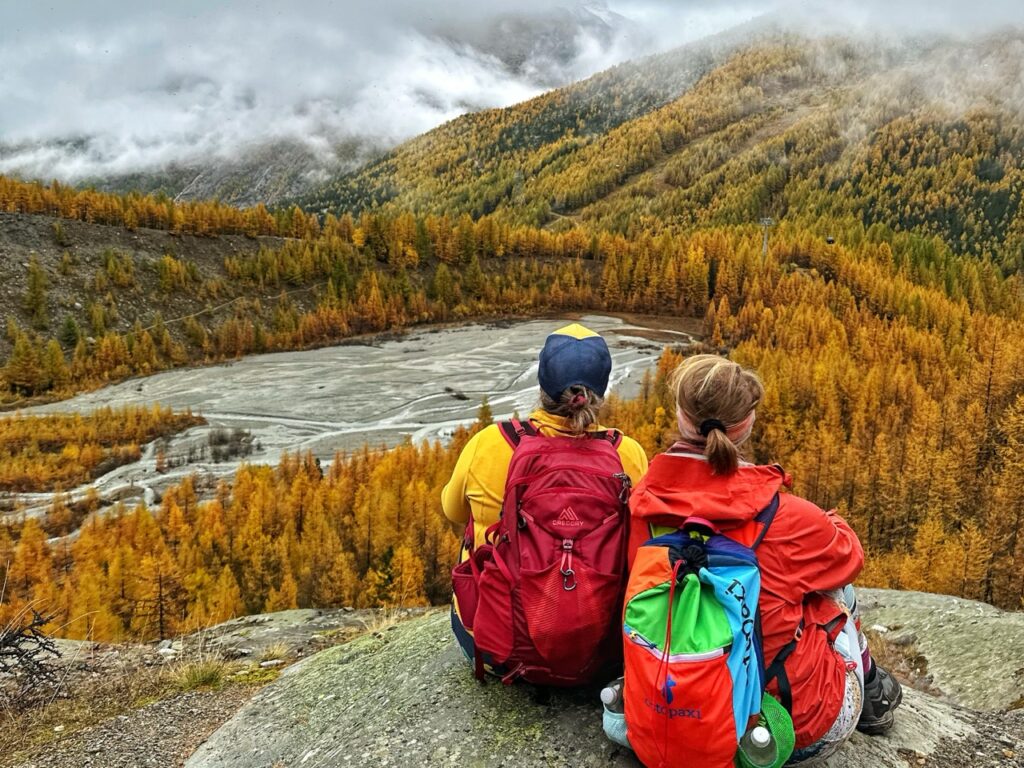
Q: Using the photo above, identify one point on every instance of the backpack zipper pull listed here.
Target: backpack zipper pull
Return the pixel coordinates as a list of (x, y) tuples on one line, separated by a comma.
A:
[(568, 574), (520, 517), (627, 486)]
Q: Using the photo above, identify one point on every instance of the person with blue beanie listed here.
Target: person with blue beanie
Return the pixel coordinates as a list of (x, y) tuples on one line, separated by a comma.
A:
[(573, 371)]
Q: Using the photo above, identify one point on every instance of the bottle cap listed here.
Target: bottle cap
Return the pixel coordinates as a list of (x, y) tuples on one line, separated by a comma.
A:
[(609, 696), (760, 737)]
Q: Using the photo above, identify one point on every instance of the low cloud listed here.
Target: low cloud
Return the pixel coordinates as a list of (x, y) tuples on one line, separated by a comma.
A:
[(104, 92), (900, 19), (92, 90)]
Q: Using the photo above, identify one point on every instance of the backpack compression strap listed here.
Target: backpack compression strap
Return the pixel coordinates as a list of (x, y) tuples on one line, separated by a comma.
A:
[(777, 669), (514, 430)]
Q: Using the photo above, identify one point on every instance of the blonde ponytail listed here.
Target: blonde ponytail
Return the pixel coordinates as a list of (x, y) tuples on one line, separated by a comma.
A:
[(577, 405), (721, 453), (715, 403)]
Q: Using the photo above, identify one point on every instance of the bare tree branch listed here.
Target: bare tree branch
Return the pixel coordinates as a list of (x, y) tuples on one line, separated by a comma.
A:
[(26, 656)]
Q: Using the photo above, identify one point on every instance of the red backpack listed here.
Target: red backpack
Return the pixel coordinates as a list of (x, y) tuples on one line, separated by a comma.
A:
[(542, 598)]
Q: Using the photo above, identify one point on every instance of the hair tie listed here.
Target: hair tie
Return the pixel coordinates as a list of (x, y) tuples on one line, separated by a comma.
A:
[(579, 398), (709, 424)]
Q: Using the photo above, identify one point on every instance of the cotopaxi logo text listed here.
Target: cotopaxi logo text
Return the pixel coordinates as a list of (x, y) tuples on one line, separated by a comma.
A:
[(672, 712)]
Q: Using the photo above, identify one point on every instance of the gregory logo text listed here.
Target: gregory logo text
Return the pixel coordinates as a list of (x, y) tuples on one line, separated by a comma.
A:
[(568, 519)]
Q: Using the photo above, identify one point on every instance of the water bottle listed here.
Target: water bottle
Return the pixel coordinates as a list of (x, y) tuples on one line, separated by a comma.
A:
[(757, 748), (611, 696), (613, 718)]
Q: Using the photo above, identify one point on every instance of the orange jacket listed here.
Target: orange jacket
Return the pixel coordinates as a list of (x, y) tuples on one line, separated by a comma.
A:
[(805, 552)]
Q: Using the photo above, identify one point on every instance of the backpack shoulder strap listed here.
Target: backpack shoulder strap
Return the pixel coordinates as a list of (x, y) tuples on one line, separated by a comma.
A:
[(765, 518), (613, 436), (776, 670), (514, 430)]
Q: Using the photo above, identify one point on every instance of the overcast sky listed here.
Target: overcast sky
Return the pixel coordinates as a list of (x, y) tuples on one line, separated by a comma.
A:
[(143, 84)]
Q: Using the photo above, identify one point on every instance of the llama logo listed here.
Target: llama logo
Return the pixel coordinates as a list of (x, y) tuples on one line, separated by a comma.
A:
[(666, 689)]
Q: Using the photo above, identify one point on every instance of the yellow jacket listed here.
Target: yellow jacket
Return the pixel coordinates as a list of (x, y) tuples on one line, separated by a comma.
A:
[(478, 481)]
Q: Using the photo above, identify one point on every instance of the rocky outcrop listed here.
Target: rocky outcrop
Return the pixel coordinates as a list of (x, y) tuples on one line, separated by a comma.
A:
[(405, 696), (299, 632), (973, 652)]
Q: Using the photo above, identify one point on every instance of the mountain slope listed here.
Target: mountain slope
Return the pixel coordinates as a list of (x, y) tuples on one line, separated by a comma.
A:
[(480, 161), (923, 136)]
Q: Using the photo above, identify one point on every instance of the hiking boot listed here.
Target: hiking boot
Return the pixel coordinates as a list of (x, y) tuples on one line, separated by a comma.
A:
[(882, 694)]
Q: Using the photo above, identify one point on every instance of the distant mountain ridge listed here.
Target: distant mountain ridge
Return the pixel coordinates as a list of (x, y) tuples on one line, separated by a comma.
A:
[(268, 173), (921, 135), (553, 125)]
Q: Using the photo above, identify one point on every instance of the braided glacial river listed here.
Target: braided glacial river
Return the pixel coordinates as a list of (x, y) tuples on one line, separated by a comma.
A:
[(419, 386)]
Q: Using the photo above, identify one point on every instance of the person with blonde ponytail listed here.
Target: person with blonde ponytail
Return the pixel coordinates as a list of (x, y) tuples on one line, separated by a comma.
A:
[(808, 557)]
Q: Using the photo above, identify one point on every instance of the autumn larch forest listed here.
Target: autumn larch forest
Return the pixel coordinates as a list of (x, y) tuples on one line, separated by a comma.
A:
[(884, 315)]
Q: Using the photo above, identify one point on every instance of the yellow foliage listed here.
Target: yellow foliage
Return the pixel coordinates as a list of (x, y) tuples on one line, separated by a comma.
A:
[(66, 450)]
